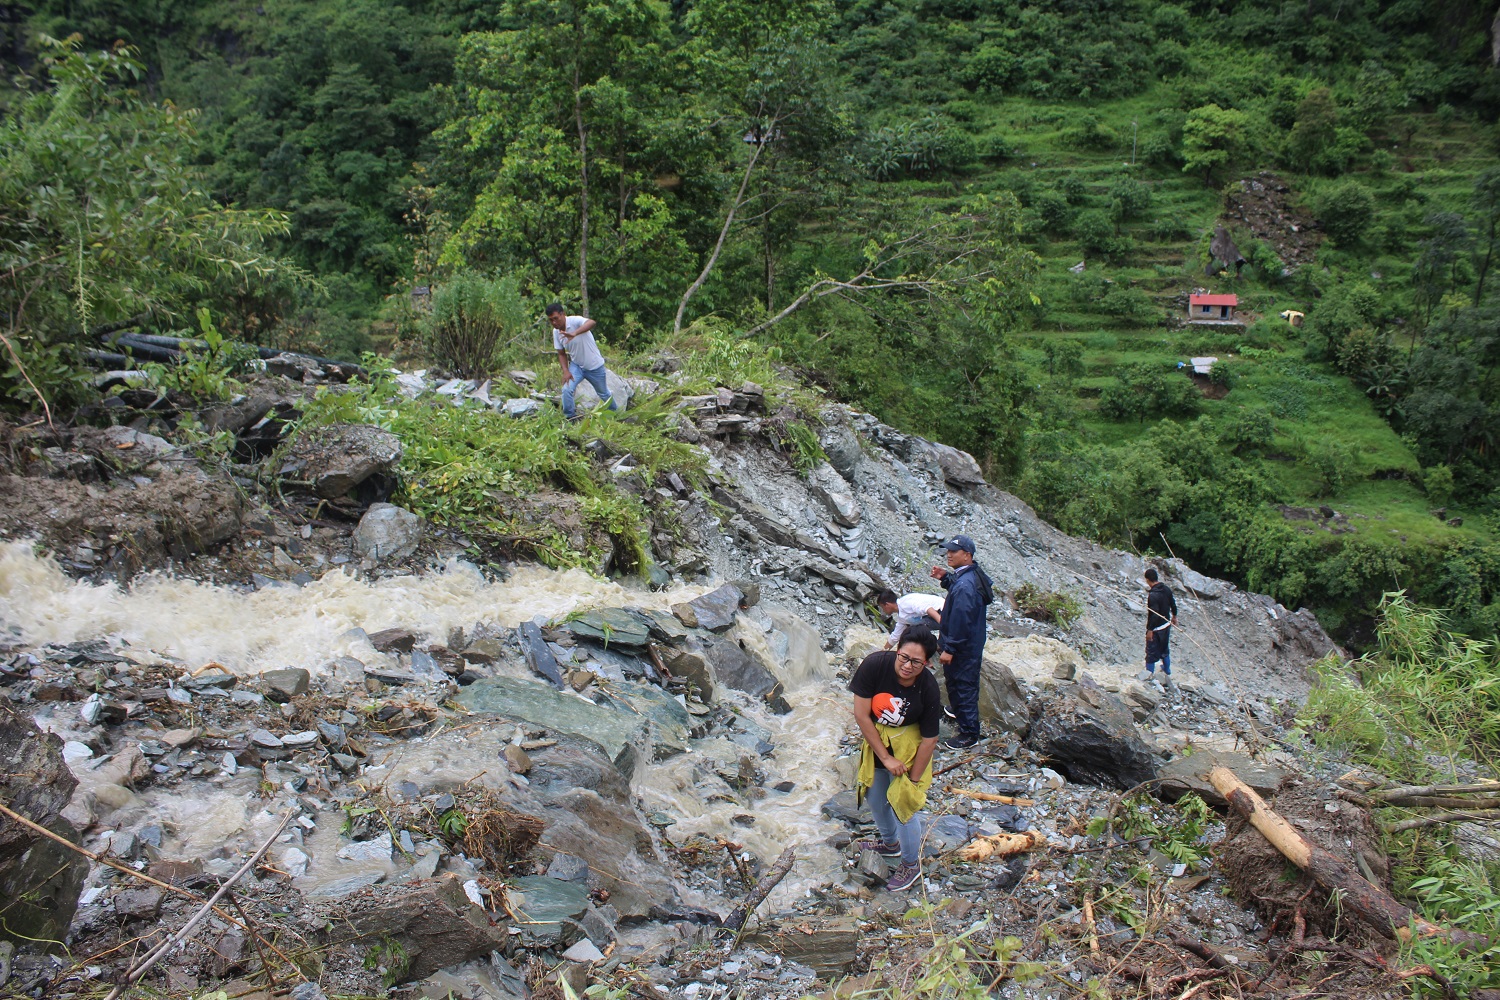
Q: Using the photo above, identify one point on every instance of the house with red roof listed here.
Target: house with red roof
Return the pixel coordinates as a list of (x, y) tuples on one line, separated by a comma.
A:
[(1206, 308)]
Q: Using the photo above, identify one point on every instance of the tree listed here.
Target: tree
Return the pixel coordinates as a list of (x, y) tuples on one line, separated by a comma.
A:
[(1315, 132), (103, 218), (1213, 138), (557, 134), (1440, 257), (768, 74), (1346, 210), (970, 255), (1486, 207)]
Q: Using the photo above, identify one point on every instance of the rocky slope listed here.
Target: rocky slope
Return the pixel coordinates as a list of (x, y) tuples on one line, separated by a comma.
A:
[(473, 785)]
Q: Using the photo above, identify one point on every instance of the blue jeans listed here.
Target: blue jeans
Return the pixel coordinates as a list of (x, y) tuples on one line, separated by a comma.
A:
[(962, 676), (595, 377), (908, 834), (1157, 649)]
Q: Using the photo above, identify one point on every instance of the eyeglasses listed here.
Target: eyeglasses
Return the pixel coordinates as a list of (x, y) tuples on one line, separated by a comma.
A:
[(910, 661)]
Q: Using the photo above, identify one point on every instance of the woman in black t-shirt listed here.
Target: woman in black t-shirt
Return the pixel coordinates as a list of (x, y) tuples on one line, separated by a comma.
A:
[(895, 688)]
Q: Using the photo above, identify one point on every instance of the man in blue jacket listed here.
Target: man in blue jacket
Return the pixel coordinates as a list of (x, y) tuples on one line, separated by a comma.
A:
[(969, 592)]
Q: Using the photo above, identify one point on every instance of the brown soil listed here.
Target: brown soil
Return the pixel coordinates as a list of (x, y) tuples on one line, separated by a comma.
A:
[(1262, 878), (1263, 205), (126, 526)]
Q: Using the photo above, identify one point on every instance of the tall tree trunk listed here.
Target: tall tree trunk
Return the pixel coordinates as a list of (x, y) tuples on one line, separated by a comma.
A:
[(734, 207), (583, 194)]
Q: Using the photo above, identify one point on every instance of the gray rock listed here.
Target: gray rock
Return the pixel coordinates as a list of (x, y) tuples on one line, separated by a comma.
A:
[(386, 533), (714, 610), (583, 950), (568, 868), (1089, 735), (138, 904), (308, 991), (522, 407), (842, 448), (1000, 698), (294, 862), (843, 807), (432, 921), (426, 865), (1190, 774), (843, 507), (266, 739), (551, 907), (286, 684), (958, 467), (335, 459), (539, 656), (339, 888), (734, 668), (873, 868), (378, 849), (611, 627)]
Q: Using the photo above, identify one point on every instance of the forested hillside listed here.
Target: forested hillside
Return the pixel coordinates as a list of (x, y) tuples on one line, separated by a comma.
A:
[(978, 220)]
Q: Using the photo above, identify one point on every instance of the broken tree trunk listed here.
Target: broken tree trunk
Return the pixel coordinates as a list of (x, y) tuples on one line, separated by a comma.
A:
[(741, 914), (1371, 903)]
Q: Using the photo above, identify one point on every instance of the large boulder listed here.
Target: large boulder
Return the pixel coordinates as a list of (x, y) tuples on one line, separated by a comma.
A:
[(573, 787), (958, 467), (714, 610), (585, 398), (734, 668), (1090, 736), (39, 878), (432, 922), (387, 533), (1190, 774), (333, 460), (1001, 700)]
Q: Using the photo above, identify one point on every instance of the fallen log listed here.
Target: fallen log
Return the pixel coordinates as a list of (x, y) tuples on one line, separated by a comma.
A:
[(1000, 845), (1440, 802), (1433, 819), (1009, 800), (736, 920), (1371, 903), (1407, 791)]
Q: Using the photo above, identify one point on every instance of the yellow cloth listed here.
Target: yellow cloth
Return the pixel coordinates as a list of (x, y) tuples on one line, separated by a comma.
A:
[(905, 796)]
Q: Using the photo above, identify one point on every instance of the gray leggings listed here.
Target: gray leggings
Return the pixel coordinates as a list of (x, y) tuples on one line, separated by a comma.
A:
[(909, 834)]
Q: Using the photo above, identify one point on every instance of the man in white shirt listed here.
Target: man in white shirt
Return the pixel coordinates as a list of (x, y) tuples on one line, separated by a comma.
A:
[(577, 352), (911, 610)]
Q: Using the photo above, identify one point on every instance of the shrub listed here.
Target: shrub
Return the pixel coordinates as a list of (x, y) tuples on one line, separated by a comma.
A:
[(1334, 464), (1052, 606), (1346, 210), (470, 315)]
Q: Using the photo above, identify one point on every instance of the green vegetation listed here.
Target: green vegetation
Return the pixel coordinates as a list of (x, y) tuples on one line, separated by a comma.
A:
[(894, 197), (1416, 709), (1047, 605)]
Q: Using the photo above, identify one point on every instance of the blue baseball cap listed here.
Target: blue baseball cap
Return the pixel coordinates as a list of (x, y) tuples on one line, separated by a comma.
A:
[(960, 542)]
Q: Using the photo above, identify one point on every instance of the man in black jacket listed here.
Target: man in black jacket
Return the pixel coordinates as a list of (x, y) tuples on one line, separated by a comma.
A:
[(964, 629), (1161, 615)]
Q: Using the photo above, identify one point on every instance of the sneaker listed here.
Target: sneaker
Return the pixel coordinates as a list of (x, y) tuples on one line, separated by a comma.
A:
[(962, 741), (904, 876), (880, 847), (949, 715), (1145, 675)]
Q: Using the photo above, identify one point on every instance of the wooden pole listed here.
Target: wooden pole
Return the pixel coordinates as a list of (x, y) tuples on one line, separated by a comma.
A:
[(1371, 903)]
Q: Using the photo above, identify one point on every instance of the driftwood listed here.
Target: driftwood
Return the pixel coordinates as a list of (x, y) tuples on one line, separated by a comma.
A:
[(736, 920), (1371, 903), (144, 965), (1433, 819), (1000, 845), (1009, 800)]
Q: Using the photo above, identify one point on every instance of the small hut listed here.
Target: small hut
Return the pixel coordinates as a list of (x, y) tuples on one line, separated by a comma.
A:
[(1206, 308)]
